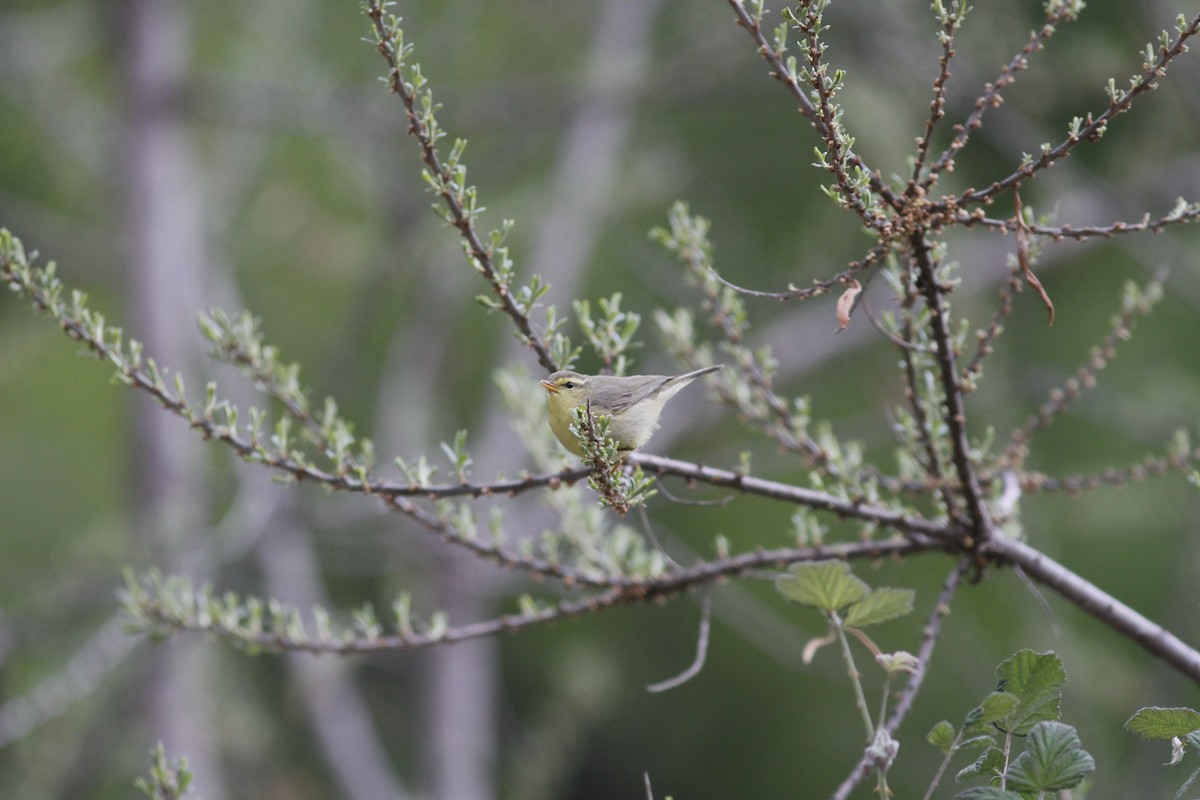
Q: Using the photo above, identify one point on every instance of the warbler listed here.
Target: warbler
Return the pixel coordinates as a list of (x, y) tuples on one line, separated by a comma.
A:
[(632, 403)]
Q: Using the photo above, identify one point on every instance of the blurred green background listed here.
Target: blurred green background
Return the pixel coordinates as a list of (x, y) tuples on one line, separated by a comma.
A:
[(174, 157)]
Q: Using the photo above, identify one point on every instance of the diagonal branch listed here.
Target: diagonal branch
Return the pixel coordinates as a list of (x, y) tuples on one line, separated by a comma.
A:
[(787, 77), (990, 97), (1095, 601), (445, 178), (955, 411), (155, 607), (1093, 128)]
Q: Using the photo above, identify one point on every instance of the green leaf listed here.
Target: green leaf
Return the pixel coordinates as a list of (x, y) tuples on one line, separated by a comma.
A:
[(997, 705), (826, 585), (879, 606), (990, 764), (987, 793), (1054, 759), (1037, 679), (941, 736), (1161, 724)]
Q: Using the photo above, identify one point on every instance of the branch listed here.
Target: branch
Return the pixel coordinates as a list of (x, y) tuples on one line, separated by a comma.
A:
[(817, 288), (1134, 303), (933, 627), (157, 604), (850, 509), (780, 72), (933, 462), (951, 21), (1183, 214), (990, 98), (1149, 467), (955, 414), (447, 177), (1090, 598), (1093, 128), (984, 338)]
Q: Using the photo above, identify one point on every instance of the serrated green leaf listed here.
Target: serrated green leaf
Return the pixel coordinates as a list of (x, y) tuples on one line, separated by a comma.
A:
[(879, 606), (827, 585), (1037, 679), (998, 705), (975, 742), (1161, 724), (987, 793), (1053, 759), (941, 736), (990, 764)]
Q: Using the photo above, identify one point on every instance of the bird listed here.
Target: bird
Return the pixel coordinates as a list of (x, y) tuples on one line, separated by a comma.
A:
[(633, 403)]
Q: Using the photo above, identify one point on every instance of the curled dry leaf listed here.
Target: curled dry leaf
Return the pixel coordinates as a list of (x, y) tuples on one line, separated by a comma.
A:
[(815, 644), (846, 302), (1023, 257)]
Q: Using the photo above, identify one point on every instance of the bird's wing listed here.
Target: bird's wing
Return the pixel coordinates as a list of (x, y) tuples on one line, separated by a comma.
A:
[(649, 385)]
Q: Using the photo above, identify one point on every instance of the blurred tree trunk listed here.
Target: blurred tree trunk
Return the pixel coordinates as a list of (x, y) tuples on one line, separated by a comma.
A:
[(166, 259)]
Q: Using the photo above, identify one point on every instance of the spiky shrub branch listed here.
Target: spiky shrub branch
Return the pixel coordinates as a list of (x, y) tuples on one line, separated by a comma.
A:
[(951, 491)]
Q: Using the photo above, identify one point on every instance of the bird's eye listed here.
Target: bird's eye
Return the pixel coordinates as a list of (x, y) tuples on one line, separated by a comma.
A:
[(569, 385)]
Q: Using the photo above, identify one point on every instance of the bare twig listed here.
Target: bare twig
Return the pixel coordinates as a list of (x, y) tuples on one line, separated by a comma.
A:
[(951, 21), (1095, 601), (990, 97), (1084, 378), (933, 627), (394, 52), (780, 72), (1093, 128), (1183, 214), (985, 338), (701, 651), (955, 413)]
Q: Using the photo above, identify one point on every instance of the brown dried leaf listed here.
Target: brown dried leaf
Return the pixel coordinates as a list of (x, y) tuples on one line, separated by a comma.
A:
[(1023, 257), (845, 304)]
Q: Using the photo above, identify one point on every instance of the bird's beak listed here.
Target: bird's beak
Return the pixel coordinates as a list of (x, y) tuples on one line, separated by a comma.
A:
[(552, 388)]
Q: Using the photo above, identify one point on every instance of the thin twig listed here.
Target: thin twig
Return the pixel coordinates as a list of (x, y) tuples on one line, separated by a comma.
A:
[(1184, 213), (1093, 128), (394, 53), (912, 392), (990, 97), (156, 612), (937, 106), (1100, 356), (933, 627), (955, 412), (780, 72), (701, 650)]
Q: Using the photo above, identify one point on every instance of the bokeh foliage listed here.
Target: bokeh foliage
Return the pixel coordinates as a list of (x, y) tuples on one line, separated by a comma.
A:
[(316, 213)]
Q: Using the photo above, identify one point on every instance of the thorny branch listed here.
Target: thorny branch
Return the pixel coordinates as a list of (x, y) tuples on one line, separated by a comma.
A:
[(952, 396), (991, 97), (781, 72), (1093, 128), (151, 607), (394, 51)]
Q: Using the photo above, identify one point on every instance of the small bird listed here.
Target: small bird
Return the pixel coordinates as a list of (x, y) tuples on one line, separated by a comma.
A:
[(632, 403)]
